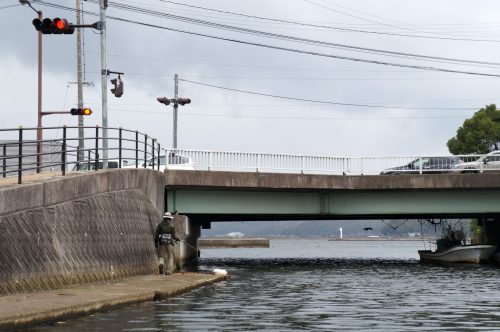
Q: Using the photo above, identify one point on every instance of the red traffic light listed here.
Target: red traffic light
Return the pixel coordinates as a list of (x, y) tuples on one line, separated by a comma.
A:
[(55, 26), (81, 111)]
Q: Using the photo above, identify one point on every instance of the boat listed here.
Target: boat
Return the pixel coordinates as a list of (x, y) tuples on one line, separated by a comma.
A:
[(452, 247), (459, 254)]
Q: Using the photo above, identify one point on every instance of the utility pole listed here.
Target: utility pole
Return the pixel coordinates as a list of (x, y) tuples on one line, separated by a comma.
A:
[(103, 4), (176, 106), (176, 101), (81, 139)]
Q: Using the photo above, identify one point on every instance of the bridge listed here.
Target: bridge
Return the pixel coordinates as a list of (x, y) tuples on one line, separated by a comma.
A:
[(97, 224)]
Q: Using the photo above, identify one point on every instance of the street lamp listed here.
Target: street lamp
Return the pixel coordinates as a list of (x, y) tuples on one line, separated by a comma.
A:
[(175, 103)]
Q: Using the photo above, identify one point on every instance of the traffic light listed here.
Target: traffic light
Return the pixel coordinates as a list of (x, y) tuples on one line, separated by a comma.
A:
[(81, 111), (118, 89), (56, 26), (163, 100), (183, 101)]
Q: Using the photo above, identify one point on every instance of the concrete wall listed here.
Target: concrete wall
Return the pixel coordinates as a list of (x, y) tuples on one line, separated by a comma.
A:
[(77, 229)]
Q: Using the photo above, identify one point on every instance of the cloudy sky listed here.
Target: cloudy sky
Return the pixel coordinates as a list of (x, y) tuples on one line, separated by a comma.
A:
[(407, 111)]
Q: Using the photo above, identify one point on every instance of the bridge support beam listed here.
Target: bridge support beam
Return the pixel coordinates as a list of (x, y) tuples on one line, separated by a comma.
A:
[(187, 250)]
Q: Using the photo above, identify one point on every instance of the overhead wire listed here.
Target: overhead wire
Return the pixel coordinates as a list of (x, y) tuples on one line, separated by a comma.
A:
[(327, 26), (296, 39), (283, 37), (316, 101)]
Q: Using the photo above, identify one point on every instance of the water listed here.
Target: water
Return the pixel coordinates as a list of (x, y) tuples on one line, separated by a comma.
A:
[(320, 285)]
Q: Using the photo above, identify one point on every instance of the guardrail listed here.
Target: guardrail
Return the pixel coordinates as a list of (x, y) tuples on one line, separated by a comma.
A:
[(21, 153), (289, 163)]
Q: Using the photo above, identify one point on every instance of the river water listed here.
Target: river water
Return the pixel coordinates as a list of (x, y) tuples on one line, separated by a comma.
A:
[(320, 285)]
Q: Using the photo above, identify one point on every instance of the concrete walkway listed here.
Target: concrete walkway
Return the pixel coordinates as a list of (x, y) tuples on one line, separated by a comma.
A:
[(49, 306)]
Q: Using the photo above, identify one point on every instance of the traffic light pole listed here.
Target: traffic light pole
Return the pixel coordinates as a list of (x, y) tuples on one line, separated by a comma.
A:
[(39, 133), (176, 106), (104, 84)]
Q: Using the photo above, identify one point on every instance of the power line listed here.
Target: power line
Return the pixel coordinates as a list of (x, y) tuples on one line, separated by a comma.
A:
[(283, 48), (327, 26), (295, 39), (10, 6), (320, 101), (288, 117)]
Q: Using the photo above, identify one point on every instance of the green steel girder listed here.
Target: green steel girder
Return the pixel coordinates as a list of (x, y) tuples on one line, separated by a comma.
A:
[(341, 203)]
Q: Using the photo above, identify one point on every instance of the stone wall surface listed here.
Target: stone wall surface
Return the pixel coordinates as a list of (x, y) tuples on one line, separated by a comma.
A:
[(79, 229)]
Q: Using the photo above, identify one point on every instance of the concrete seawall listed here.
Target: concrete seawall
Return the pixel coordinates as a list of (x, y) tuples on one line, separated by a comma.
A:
[(78, 229)]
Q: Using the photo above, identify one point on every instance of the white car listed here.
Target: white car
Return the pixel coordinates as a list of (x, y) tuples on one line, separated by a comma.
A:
[(175, 161), (90, 166), (488, 164)]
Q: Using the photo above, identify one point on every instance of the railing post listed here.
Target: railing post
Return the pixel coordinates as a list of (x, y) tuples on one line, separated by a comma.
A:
[(79, 159), (145, 150), (153, 142), (20, 159), (210, 160), (136, 149), (96, 161), (88, 160), (258, 162), (361, 165), (63, 153), (159, 152), (420, 166), (120, 147), (301, 164), (4, 166)]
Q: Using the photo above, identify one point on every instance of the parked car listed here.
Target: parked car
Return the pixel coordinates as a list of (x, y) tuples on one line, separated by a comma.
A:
[(175, 161), (488, 163), (112, 163), (428, 165)]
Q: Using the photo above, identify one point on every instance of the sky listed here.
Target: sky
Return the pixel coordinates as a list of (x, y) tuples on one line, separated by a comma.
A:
[(401, 110)]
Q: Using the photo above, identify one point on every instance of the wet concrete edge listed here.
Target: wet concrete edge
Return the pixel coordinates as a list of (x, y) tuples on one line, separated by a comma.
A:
[(52, 316)]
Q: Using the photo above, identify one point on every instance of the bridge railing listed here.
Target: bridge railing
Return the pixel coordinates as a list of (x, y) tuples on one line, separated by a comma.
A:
[(21, 153), (290, 163)]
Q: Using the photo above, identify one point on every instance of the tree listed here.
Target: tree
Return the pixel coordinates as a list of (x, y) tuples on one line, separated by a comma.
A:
[(479, 134)]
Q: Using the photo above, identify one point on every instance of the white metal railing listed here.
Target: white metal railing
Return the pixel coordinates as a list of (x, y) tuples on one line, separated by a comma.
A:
[(289, 163)]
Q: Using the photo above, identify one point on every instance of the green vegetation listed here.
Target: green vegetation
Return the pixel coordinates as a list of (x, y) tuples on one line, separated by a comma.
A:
[(479, 134)]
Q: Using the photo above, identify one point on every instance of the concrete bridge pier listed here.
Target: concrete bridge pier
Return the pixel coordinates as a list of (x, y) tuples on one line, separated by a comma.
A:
[(188, 232), (491, 229)]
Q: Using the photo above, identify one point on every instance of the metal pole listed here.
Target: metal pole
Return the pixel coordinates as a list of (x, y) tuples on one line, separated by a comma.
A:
[(104, 84), (4, 162), (39, 134), (96, 164), (136, 149), (176, 105), (81, 140), (159, 157), (153, 142), (120, 147), (20, 157), (63, 153), (145, 151)]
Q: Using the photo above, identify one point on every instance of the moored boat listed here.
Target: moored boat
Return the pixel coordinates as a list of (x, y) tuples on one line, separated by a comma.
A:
[(459, 254)]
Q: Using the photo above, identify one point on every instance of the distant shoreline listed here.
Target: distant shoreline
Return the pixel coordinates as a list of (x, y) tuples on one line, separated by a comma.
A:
[(346, 239)]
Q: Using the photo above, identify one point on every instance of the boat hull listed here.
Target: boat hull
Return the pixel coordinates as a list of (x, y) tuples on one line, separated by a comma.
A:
[(459, 254)]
